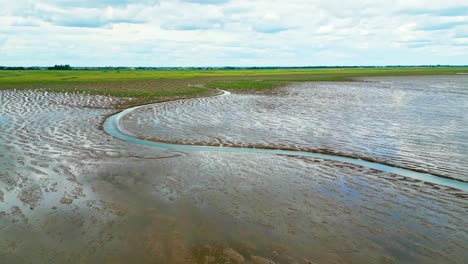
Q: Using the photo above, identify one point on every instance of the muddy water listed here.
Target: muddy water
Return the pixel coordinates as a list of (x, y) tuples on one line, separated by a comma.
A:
[(417, 123), (113, 127), (71, 193)]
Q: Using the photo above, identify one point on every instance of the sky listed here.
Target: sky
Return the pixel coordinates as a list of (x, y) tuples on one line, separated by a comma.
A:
[(233, 32)]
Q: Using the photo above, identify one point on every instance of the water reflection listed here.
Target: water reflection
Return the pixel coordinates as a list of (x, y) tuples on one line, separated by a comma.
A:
[(417, 123), (71, 193)]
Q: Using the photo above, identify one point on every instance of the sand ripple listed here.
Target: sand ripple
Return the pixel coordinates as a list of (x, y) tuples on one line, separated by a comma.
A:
[(417, 123), (69, 193)]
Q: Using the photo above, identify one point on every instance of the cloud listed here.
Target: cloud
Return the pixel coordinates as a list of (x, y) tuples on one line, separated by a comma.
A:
[(270, 23), (454, 11), (3, 40), (193, 25), (462, 34), (88, 17), (270, 28), (96, 4), (416, 43), (211, 2), (442, 26), (232, 32)]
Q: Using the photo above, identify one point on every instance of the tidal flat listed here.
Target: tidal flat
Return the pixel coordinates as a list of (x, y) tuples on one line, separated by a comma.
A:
[(70, 192)]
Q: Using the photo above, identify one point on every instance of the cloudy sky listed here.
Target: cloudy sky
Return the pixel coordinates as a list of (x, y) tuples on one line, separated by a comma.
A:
[(233, 32)]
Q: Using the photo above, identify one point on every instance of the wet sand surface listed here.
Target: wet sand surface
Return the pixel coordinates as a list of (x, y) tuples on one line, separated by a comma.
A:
[(417, 123), (71, 193)]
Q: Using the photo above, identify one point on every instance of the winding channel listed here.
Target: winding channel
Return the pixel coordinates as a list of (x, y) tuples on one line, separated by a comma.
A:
[(111, 126)]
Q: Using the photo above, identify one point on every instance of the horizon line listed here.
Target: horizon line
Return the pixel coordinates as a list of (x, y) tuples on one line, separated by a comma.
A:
[(243, 67)]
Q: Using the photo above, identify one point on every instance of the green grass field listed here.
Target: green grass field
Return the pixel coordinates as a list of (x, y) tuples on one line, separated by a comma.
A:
[(153, 84)]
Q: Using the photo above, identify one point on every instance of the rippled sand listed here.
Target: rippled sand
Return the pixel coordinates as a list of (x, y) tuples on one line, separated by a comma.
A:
[(417, 123), (71, 193)]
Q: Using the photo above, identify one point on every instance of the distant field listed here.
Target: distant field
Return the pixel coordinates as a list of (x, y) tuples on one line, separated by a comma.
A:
[(153, 84)]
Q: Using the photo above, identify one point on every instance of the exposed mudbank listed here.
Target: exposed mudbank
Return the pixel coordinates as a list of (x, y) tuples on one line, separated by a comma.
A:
[(414, 123), (112, 127), (71, 193)]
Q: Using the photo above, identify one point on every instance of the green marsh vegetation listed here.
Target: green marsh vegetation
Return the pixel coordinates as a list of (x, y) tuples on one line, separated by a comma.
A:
[(164, 84)]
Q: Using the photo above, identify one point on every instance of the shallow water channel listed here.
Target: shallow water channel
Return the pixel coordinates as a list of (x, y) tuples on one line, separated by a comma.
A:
[(71, 192)]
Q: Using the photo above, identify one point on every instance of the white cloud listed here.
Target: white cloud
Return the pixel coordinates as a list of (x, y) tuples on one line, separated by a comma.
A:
[(235, 32)]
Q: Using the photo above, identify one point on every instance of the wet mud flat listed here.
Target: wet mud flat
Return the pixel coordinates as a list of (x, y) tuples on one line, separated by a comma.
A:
[(412, 122), (71, 193)]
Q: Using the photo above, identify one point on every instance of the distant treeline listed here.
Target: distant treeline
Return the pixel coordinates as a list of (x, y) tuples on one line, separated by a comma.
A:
[(55, 67), (60, 67), (68, 67)]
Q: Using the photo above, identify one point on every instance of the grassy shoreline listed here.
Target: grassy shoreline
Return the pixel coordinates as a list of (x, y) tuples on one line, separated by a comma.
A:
[(156, 85)]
